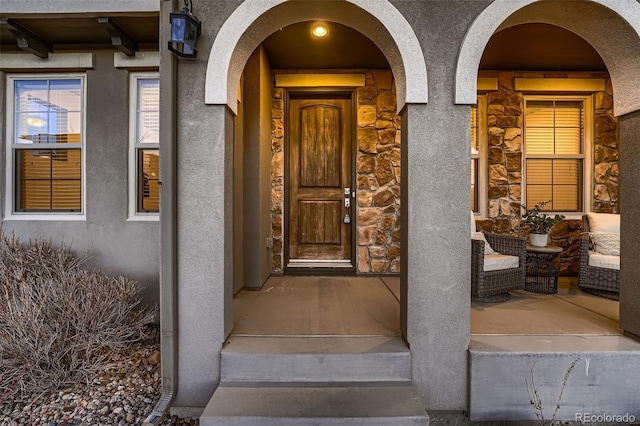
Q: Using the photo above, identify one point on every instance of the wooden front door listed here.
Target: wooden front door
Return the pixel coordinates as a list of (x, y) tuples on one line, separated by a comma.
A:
[(320, 183)]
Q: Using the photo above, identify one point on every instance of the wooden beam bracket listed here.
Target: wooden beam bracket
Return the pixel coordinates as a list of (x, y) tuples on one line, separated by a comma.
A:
[(27, 40), (120, 39)]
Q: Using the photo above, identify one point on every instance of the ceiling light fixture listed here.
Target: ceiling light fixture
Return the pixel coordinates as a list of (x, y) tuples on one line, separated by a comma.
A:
[(319, 31)]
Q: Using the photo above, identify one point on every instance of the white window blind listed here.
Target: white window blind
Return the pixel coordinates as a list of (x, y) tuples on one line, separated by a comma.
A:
[(554, 127), (145, 155), (554, 153), (148, 111), (47, 144), (475, 158)]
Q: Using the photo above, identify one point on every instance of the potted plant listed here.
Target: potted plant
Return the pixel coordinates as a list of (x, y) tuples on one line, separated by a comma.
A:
[(539, 223)]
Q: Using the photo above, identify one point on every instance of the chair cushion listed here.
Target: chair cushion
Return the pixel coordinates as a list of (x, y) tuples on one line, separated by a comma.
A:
[(497, 262), (480, 236), (607, 243), (604, 222), (597, 260)]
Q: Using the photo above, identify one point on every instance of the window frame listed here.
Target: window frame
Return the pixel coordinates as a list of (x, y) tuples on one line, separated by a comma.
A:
[(481, 157), (134, 147), (11, 213), (586, 156)]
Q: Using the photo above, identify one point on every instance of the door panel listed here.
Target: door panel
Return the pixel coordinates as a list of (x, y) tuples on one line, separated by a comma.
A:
[(319, 171), (319, 222), (319, 139)]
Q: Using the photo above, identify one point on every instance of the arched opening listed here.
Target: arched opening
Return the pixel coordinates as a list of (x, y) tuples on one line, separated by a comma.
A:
[(545, 131), (545, 59), (244, 104), (264, 64), (249, 24), (318, 122), (615, 41)]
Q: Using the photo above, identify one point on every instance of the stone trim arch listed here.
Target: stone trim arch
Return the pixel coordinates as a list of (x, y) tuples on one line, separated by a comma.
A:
[(616, 39), (253, 21)]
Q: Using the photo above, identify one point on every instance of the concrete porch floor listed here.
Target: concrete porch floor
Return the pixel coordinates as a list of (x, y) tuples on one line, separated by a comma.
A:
[(507, 340), (342, 306), (325, 306), (568, 312)]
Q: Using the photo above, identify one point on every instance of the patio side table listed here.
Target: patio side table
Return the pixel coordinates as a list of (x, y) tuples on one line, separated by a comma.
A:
[(542, 275)]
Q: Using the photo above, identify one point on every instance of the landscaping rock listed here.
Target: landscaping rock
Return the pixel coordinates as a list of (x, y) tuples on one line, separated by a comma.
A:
[(124, 393)]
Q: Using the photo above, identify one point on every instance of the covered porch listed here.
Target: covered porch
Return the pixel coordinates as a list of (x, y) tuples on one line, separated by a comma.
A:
[(348, 306), (313, 327), (434, 312)]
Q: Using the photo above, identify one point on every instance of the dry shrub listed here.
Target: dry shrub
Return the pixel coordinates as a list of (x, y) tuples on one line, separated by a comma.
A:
[(58, 322)]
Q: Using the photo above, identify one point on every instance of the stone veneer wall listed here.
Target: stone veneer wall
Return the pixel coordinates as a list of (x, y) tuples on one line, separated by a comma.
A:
[(378, 176), (505, 132)]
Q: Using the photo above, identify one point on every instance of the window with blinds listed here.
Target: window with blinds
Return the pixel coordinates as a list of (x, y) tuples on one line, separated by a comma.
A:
[(554, 153), (475, 158), (145, 143), (48, 115)]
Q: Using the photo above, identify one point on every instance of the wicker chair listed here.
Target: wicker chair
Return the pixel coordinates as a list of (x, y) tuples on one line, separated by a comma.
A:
[(594, 278), (494, 286)]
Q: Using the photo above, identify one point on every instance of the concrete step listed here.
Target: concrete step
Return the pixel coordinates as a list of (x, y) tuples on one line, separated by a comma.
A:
[(302, 406), (567, 376), (270, 360)]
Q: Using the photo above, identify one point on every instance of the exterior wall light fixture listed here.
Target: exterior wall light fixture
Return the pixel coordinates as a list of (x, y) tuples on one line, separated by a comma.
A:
[(185, 29)]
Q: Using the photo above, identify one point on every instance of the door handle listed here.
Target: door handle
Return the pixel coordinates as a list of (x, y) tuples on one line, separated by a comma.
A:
[(347, 205)]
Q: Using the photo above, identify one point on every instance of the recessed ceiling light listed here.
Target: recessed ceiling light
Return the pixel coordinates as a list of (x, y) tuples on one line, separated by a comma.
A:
[(319, 31)]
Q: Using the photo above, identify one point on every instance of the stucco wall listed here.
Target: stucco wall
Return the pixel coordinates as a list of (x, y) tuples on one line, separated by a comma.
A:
[(435, 253), (435, 234), (435, 188), (629, 224), (117, 245), (205, 221), (256, 160)]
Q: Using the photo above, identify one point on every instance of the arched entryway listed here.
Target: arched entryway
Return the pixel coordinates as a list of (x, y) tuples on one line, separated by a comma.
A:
[(251, 23), (316, 141), (434, 272), (509, 94), (618, 26), (206, 283), (616, 40)]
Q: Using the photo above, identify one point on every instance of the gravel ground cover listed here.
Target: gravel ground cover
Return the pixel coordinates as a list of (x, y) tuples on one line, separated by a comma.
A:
[(123, 393)]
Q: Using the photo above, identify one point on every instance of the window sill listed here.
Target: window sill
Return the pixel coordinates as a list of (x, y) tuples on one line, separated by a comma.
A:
[(151, 217), (49, 217)]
